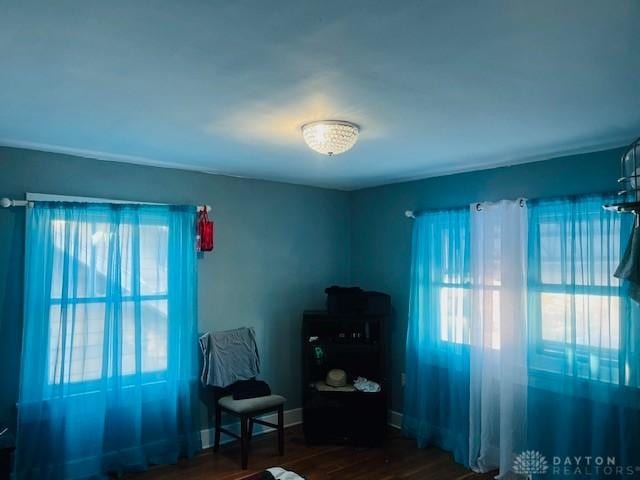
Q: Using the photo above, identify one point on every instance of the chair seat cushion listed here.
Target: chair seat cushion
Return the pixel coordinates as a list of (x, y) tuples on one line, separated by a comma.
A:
[(251, 404)]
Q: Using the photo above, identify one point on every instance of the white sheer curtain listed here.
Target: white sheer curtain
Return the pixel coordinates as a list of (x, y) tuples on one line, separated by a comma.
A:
[(498, 375)]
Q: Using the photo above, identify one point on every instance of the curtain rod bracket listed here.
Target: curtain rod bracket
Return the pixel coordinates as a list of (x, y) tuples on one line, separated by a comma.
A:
[(7, 203)]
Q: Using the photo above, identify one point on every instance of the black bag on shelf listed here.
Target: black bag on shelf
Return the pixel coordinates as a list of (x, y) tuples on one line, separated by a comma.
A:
[(344, 300), (353, 300)]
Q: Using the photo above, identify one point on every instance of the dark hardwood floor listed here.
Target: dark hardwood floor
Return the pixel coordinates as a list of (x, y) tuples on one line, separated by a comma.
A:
[(399, 459)]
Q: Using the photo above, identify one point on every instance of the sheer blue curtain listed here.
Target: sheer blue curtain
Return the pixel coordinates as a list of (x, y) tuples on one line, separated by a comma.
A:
[(436, 396), (579, 386), (584, 335), (109, 363)]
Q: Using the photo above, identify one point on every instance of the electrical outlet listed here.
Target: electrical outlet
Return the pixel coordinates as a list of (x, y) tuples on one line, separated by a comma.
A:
[(403, 379)]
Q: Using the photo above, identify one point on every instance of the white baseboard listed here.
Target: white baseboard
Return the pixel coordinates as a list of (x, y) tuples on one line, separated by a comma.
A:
[(395, 419), (291, 417)]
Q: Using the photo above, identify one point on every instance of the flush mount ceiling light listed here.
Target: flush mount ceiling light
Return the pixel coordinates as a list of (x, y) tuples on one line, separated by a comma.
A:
[(330, 137)]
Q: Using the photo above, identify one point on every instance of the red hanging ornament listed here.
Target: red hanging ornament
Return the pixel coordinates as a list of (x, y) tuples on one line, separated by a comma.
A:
[(205, 230)]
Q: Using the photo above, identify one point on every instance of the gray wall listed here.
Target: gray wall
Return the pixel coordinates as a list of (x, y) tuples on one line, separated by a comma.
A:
[(277, 247), (381, 235)]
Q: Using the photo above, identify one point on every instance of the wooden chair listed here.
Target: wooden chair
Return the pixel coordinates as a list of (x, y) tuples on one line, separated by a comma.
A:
[(248, 410)]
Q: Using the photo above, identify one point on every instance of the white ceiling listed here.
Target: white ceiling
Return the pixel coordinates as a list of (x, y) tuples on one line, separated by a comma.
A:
[(437, 86)]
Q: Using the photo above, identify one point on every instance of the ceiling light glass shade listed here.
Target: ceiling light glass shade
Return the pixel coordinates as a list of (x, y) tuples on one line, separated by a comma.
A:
[(330, 137)]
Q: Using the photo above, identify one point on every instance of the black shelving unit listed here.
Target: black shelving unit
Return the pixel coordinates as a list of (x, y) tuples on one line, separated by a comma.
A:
[(355, 343)]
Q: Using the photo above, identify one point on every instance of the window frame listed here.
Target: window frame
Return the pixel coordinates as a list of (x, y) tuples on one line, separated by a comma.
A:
[(547, 356), (461, 280), (78, 387)]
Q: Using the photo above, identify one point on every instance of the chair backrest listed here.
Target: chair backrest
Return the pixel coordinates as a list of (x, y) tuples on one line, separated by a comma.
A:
[(229, 356)]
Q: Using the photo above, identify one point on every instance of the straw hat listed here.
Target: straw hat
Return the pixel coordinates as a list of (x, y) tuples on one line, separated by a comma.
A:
[(336, 378)]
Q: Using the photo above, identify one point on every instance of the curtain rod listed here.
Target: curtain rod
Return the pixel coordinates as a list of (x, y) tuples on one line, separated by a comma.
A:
[(8, 203), (478, 206)]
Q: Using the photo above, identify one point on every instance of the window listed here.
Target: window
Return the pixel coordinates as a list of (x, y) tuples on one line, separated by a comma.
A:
[(455, 289), (91, 304), (577, 291), (567, 322), (110, 337), (449, 273), (575, 301)]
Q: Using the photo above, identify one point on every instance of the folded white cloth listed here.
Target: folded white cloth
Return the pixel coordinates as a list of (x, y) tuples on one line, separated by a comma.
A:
[(365, 385), (282, 474)]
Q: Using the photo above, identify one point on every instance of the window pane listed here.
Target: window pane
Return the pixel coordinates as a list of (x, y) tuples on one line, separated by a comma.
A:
[(125, 258), (580, 253), (597, 321), (128, 333), (554, 309), (154, 243), (79, 259), (453, 267), (550, 253), (594, 319), (81, 281), (453, 315), (76, 338), (154, 335)]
